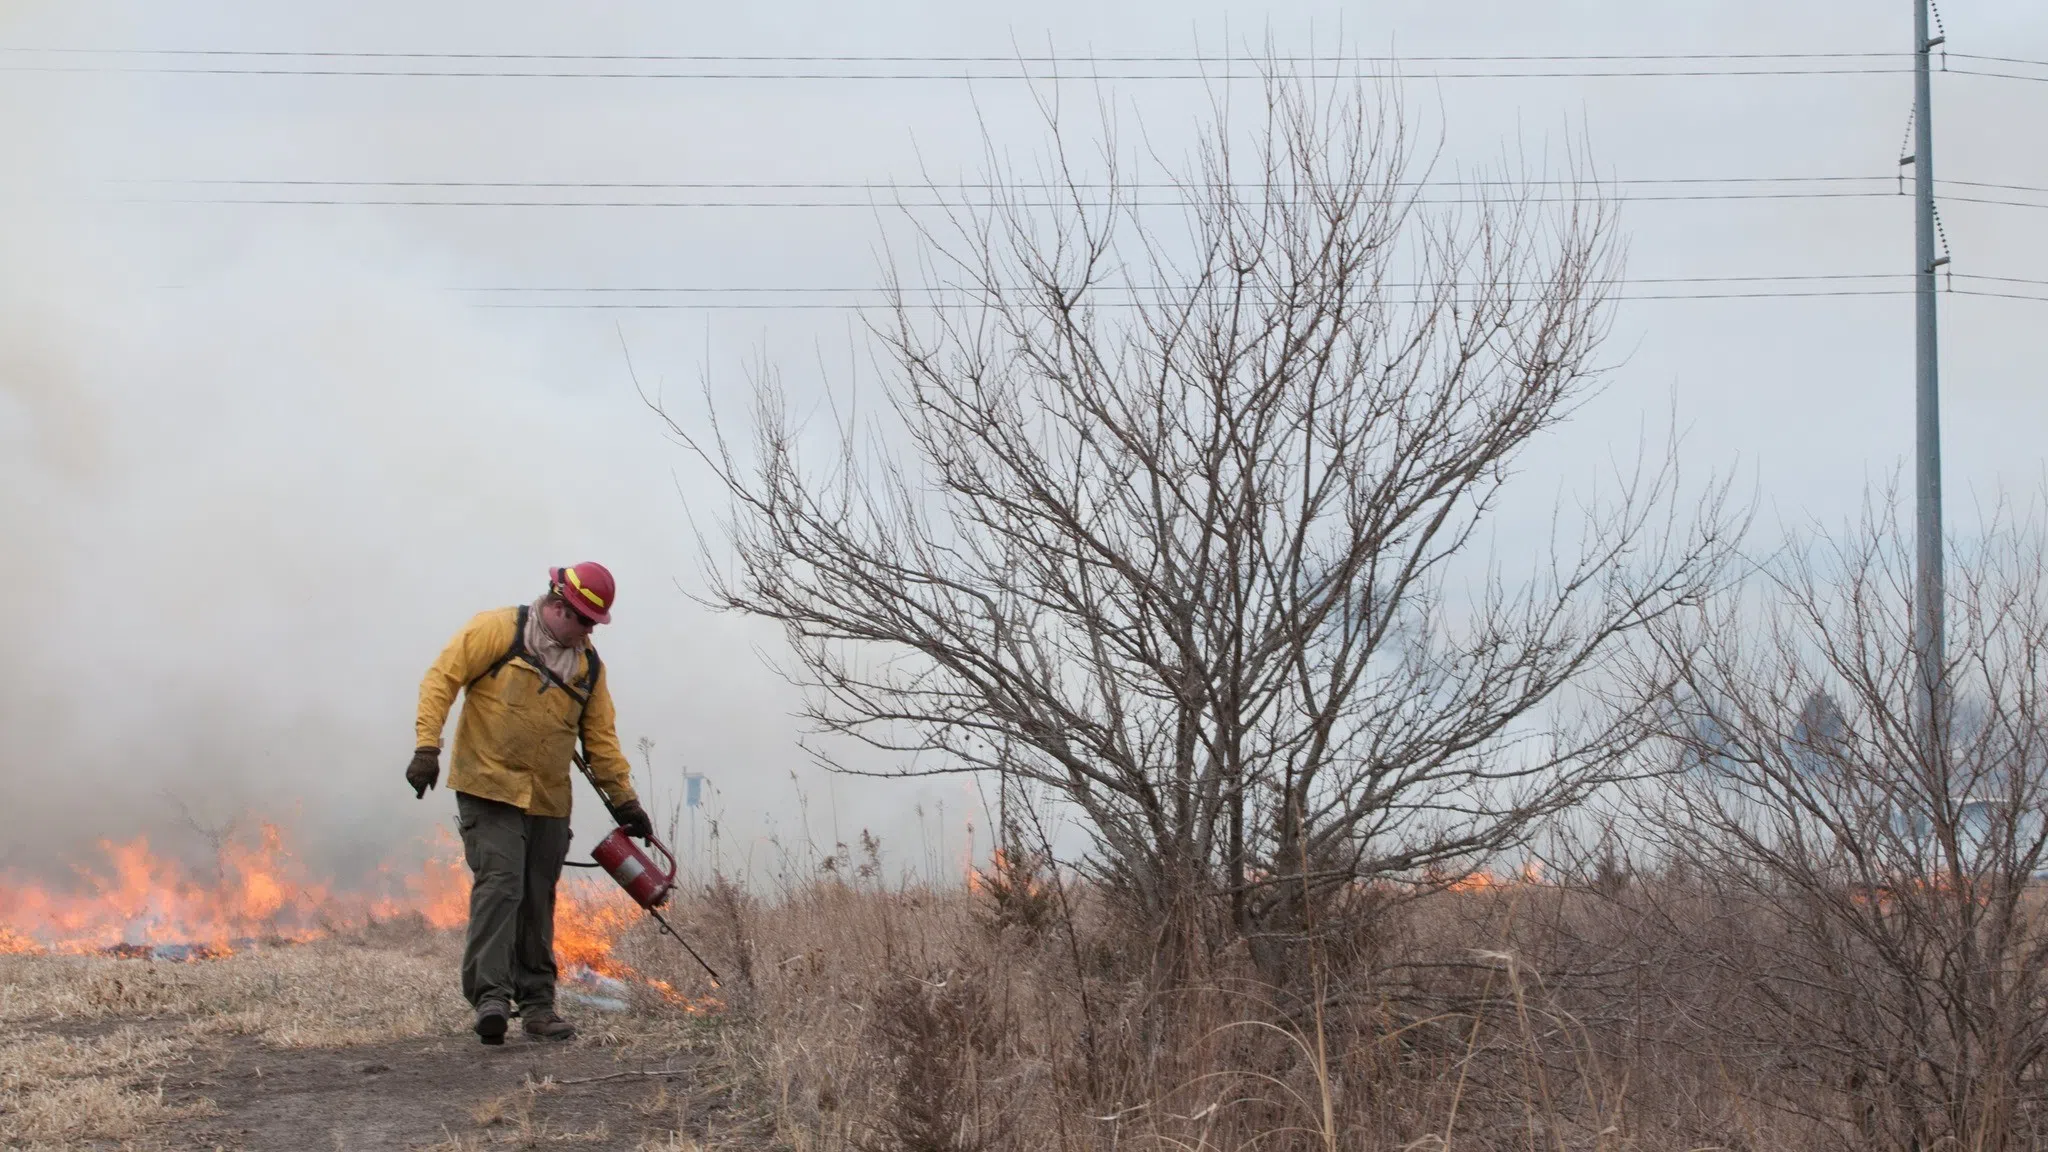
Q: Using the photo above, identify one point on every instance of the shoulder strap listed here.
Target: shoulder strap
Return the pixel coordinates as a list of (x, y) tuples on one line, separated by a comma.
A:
[(581, 691), (517, 650)]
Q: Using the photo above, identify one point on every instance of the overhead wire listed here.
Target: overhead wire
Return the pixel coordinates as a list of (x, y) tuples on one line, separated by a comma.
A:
[(412, 202), (1883, 185), (1088, 76), (882, 186), (1804, 286), (2000, 59), (422, 203), (715, 66), (1175, 288), (1733, 287), (1028, 58), (1645, 65), (670, 306), (932, 194), (1730, 287), (2001, 279)]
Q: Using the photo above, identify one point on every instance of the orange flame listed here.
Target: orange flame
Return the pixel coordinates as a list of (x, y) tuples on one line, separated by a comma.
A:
[(588, 921), (135, 903), (259, 891), (697, 1006), (1484, 881), (1005, 874)]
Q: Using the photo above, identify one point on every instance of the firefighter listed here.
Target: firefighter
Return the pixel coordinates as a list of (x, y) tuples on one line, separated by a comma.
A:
[(533, 687)]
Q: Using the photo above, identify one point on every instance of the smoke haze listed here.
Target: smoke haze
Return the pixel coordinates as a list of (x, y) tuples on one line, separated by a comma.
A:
[(257, 463), (254, 478)]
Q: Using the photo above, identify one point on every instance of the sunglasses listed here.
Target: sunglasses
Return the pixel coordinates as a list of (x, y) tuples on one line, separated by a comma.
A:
[(575, 617)]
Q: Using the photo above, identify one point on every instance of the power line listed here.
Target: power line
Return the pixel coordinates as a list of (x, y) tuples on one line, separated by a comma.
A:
[(878, 186), (1948, 199), (882, 294), (1996, 59), (1999, 296), (732, 66), (986, 186), (2001, 279), (1804, 285), (586, 74), (1997, 187), (393, 202), (1173, 288), (1991, 75), (1079, 58), (721, 66), (699, 306)]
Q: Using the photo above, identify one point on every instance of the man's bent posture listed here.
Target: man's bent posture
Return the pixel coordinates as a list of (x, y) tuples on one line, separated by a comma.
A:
[(534, 687)]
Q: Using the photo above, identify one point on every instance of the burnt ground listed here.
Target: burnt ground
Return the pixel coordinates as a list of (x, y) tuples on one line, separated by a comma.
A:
[(450, 1092)]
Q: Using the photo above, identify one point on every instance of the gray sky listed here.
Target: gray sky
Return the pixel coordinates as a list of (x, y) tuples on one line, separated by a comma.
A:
[(259, 461)]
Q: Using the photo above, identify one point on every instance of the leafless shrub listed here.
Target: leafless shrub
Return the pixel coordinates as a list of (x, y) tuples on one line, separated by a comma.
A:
[(1871, 891), (1170, 518)]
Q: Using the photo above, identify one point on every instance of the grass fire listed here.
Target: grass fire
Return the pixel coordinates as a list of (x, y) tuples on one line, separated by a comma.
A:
[(132, 898), (133, 903)]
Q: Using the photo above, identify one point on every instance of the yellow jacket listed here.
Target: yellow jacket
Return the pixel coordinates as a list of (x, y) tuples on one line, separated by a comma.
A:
[(519, 727)]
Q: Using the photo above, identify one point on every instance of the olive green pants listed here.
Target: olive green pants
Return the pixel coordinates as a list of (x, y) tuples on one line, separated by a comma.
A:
[(514, 861)]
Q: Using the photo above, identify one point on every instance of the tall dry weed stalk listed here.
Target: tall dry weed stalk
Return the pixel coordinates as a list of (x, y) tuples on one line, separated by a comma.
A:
[(935, 1037), (729, 907)]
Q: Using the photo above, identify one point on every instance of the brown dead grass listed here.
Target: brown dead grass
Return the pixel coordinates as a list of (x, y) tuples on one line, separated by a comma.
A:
[(56, 1090), (325, 994), (875, 1020), (861, 1019), (61, 1085)]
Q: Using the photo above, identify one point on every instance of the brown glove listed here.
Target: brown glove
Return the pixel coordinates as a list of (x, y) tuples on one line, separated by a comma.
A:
[(633, 818), (424, 771)]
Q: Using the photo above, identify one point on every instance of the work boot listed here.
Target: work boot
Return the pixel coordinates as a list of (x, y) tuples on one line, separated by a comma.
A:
[(543, 1024), (491, 1018)]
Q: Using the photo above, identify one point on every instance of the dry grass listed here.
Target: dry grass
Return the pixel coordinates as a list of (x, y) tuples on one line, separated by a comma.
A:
[(919, 1021), (861, 1019), (674, 1142), (316, 995), (509, 1121), (55, 1090), (61, 1084)]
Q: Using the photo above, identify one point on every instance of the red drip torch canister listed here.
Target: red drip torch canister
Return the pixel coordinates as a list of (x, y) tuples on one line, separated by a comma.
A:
[(634, 869)]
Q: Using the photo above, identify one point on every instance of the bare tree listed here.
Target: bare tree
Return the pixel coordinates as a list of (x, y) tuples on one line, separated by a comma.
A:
[(1889, 938), (1177, 516)]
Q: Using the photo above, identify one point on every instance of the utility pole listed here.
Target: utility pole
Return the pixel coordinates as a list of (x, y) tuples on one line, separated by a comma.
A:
[(1927, 587)]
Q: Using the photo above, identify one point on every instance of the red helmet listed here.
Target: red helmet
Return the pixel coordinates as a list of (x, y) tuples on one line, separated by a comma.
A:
[(587, 587)]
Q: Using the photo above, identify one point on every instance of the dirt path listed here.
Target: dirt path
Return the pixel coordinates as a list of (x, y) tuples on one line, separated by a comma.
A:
[(448, 1093), (339, 1046)]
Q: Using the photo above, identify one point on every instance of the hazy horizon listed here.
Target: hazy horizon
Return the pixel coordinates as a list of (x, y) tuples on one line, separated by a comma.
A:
[(262, 460)]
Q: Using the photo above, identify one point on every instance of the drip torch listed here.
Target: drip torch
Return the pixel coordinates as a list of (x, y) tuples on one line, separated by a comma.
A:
[(635, 871)]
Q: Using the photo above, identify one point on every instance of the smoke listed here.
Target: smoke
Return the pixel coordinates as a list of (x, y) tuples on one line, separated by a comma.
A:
[(251, 478), (233, 512), (256, 469)]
